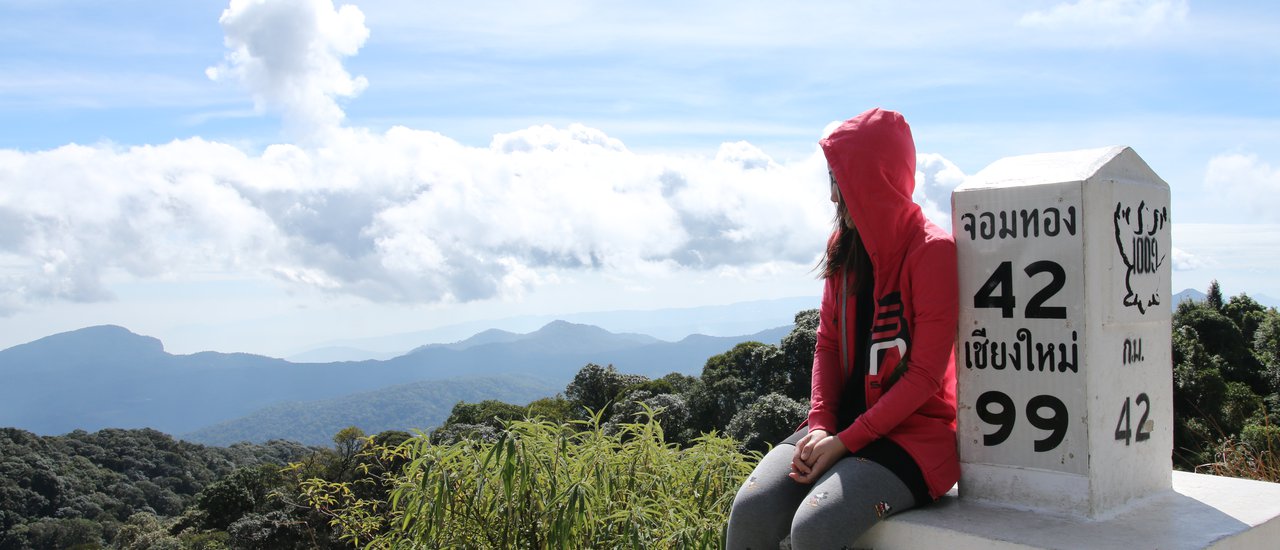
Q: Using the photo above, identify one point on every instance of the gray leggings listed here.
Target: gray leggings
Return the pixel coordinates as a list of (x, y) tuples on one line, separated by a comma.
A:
[(832, 513)]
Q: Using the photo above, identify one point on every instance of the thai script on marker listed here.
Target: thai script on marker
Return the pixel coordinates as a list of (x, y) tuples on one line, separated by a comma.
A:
[(1040, 357), (1014, 224)]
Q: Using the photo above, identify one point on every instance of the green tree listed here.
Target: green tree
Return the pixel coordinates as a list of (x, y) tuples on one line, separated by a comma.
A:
[(1223, 383), (145, 531), (670, 411), (1221, 337), (274, 530), (1246, 313), (552, 409), (489, 412), (1266, 346), (1213, 298), (476, 421), (680, 383), (1198, 394), (58, 533), (1240, 405), (595, 388), (759, 367), (797, 354), (347, 442), (766, 422), (244, 491), (734, 379)]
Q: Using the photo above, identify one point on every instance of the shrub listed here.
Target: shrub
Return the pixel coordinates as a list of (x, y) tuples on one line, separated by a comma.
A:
[(543, 485)]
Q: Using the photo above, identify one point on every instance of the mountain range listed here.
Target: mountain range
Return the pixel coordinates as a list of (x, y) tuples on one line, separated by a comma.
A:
[(407, 407), (670, 324), (1189, 294), (107, 376), (1197, 296)]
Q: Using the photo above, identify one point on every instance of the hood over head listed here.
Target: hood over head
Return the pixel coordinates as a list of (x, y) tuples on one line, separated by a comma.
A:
[(873, 159)]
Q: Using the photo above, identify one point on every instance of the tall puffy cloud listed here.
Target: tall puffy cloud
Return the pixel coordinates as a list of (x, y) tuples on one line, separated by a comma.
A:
[(288, 53)]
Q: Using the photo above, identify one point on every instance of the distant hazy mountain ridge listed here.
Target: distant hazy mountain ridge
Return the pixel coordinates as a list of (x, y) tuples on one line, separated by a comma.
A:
[(419, 405), (107, 376), (1197, 296), (1188, 294), (670, 324)]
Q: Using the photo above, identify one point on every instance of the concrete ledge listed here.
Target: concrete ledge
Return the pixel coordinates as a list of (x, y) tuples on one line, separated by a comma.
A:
[(1200, 512)]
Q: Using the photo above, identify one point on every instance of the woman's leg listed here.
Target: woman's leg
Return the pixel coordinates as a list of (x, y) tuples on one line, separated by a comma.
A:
[(845, 502), (762, 509)]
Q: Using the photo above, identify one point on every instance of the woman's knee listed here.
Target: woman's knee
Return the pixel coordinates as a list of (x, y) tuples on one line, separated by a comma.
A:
[(767, 497), (825, 521), (753, 505), (845, 503)]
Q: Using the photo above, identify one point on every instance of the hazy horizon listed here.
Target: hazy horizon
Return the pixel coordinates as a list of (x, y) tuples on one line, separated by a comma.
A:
[(266, 176)]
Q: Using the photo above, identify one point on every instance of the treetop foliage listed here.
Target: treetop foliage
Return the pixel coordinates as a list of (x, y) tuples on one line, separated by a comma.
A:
[(1226, 385), (83, 489)]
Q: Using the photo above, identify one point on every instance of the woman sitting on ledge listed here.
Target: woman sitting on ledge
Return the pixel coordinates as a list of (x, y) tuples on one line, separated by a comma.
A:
[(880, 437)]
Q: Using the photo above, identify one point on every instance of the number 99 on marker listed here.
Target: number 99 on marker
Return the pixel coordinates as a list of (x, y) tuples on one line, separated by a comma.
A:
[(1043, 412)]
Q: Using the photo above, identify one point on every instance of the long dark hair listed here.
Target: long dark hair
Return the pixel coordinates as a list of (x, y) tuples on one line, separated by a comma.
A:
[(845, 251)]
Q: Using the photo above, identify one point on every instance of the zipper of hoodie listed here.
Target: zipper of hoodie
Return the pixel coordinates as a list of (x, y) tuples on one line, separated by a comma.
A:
[(844, 326)]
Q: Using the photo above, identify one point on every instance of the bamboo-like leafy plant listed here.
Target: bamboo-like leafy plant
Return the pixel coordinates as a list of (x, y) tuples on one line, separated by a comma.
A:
[(544, 485)]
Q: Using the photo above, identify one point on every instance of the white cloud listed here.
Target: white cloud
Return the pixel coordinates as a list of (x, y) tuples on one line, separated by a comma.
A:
[(1186, 261), (289, 53), (77, 213), (1229, 246), (744, 155), (404, 216), (1240, 255), (547, 137), (1134, 16), (936, 178), (1251, 184)]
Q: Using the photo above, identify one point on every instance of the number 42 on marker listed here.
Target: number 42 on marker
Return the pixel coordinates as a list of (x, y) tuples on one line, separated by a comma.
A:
[(1123, 429)]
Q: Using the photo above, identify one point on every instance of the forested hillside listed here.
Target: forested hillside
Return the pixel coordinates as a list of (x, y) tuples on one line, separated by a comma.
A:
[(616, 457), (1226, 377), (83, 489)]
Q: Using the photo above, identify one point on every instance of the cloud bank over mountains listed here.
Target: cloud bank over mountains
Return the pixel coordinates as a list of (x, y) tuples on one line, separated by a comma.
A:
[(405, 216)]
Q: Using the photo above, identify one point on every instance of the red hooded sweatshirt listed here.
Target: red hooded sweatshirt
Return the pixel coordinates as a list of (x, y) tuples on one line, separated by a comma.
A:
[(910, 377)]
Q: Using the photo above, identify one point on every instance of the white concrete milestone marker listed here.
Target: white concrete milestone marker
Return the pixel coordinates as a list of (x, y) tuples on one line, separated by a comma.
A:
[(1065, 380)]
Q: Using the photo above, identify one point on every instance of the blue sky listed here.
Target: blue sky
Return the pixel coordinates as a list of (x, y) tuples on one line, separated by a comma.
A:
[(266, 176)]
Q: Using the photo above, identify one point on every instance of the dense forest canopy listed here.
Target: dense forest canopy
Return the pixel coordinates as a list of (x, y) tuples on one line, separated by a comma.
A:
[(82, 489)]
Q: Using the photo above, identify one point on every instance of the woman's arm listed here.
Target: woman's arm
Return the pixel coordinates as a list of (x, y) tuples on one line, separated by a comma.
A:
[(827, 377), (934, 294), (817, 451)]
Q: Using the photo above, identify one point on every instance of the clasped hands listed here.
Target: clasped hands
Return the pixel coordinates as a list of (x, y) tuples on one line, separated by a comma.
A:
[(815, 453)]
